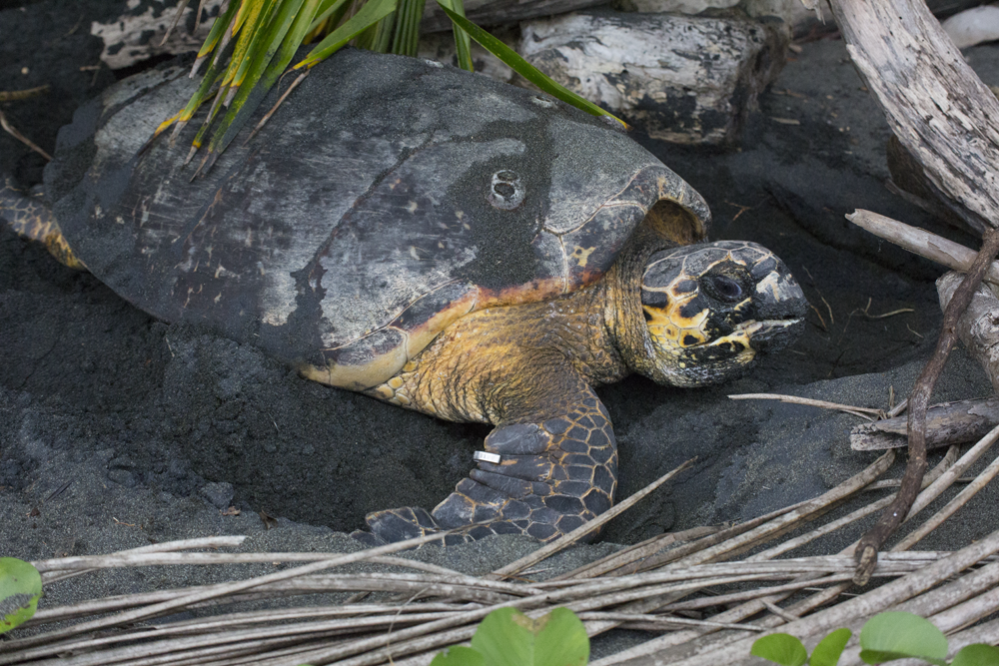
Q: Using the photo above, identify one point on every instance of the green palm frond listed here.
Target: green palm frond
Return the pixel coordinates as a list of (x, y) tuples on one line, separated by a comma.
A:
[(252, 43)]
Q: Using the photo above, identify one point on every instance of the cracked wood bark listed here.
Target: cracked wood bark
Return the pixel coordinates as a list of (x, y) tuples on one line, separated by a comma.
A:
[(935, 104), (946, 423), (942, 115), (683, 79), (978, 327)]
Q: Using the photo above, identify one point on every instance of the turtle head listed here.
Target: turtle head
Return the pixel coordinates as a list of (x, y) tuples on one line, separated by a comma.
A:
[(710, 309)]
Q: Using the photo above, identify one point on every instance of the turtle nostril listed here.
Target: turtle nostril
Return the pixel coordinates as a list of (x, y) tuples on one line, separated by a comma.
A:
[(504, 190), (723, 288)]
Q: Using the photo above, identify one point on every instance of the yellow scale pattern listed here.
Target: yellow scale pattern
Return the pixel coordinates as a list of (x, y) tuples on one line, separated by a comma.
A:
[(32, 219)]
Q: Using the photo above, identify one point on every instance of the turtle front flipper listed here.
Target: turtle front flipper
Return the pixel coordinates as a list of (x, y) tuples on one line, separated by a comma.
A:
[(31, 218), (543, 478)]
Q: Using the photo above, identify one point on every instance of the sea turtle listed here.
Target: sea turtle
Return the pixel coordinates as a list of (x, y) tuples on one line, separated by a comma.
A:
[(434, 239)]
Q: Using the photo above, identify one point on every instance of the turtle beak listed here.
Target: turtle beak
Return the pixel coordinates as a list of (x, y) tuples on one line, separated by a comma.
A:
[(779, 311)]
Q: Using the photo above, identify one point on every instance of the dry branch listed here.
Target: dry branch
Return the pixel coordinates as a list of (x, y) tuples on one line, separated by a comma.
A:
[(947, 423), (935, 104), (867, 549), (919, 241), (978, 328), (941, 113)]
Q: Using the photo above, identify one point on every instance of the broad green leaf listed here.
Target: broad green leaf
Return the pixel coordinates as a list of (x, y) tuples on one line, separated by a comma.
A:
[(459, 656), (524, 68), (783, 649), (829, 649), (20, 590), (896, 635), (507, 637), (562, 640), (462, 45), (372, 12), (976, 654)]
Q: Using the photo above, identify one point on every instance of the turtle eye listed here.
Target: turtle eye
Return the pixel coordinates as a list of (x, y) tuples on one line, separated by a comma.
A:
[(723, 288)]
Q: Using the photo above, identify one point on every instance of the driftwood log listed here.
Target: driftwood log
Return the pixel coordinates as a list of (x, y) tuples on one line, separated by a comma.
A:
[(978, 328), (941, 114), (138, 34), (947, 423), (803, 22), (684, 79), (936, 105)]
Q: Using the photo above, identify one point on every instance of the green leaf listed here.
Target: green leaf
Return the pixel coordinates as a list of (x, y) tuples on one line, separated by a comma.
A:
[(459, 656), (325, 10), (20, 590), (406, 40), (507, 637), (896, 635), (283, 37), (976, 654), (462, 45), (783, 649), (372, 12), (827, 652), (524, 68), (218, 29)]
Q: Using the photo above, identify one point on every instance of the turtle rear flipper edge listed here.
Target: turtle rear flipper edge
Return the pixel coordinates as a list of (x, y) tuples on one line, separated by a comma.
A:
[(31, 218)]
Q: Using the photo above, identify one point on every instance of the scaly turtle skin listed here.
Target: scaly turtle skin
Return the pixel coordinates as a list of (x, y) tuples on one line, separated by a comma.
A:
[(434, 239)]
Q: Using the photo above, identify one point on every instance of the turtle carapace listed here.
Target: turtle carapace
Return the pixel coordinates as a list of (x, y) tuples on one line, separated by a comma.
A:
[(434, 239)]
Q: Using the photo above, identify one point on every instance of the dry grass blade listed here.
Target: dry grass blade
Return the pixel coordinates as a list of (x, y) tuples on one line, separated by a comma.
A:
[(947, 511), (790, 520), (18, 95), (229, 588), (866, 605), (10, 129), (954, 473), (864, 412), (936, 473), (651, 562), (660, 620), (638, 552)]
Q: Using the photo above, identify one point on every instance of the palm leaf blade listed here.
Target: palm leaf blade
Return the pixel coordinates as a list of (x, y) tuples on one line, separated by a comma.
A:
[(516, 62), (372, 12)]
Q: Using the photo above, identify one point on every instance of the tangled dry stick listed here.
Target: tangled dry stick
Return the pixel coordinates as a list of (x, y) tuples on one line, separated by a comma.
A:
[(941, 114)]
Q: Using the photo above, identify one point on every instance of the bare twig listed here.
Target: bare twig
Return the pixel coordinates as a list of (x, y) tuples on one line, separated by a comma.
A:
[(867, 549), (919, 241), (10, 129), (18, 95), (865, 412)]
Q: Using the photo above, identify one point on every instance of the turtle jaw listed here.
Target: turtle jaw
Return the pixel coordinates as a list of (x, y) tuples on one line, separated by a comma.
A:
[(768, 335), (711, 310)]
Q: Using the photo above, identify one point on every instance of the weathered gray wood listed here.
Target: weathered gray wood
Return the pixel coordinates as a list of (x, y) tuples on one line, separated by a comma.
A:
[(946, 423), (938, 108), (919, 241), (978, 328), (803, 21), (683, 79), (501, 12), (138, 33)]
